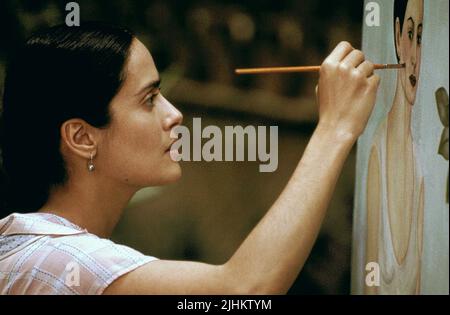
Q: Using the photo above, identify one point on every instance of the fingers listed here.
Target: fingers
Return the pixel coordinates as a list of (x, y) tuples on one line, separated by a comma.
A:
[(349, 62), (366, 68), (339, 53), (354, 59), (374, 81)]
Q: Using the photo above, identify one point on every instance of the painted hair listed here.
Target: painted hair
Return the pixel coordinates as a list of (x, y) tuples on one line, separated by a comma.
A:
[(399, 12)]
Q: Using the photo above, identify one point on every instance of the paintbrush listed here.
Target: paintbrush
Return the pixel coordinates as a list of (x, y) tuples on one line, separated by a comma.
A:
[(305, 69)]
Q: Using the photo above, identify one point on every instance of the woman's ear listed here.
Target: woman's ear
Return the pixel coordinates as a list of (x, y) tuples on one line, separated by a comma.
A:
[(79, 137), (398, 39)]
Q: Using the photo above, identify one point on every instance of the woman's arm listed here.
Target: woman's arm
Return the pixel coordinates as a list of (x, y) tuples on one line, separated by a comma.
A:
[(272, 255), (276, 250), (270, 258)]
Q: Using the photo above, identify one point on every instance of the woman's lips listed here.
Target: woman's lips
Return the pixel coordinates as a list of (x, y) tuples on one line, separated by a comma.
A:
[(170, 146), (413, 80)]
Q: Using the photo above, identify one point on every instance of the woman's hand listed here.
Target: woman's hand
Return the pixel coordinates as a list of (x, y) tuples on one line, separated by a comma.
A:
[(347, 90)]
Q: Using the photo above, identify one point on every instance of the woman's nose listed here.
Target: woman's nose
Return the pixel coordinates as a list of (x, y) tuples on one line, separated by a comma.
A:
[(172, 116)]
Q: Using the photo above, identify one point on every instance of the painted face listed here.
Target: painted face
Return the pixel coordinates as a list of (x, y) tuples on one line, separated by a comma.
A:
[(135, 147), (409, 47)]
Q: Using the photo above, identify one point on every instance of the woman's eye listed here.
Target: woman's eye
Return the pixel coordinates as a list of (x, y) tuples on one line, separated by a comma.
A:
[(149, 101), (419, 39), (151, 98), (410, 34)]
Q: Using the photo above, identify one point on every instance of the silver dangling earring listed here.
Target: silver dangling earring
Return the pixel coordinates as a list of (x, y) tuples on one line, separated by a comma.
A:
[(91, 166)]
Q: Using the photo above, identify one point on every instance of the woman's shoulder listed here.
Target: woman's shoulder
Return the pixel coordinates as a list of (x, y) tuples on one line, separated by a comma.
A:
[(94, 260), (60, 258)]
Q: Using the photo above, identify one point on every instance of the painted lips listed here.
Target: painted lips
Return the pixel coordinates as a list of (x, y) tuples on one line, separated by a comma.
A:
[(413, 80)]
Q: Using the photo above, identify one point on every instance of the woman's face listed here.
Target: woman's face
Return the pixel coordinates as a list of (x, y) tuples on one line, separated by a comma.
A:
[(134, 149), (409, 47)]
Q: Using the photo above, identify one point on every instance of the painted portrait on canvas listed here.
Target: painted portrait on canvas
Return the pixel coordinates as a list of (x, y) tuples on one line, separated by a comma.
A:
[(395, 185), (401, 215)]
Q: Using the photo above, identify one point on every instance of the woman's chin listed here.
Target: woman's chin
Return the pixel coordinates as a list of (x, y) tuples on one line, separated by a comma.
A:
[(173, 173)]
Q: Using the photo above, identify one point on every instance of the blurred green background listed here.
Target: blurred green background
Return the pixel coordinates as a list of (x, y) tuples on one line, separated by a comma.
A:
[(196, 45)]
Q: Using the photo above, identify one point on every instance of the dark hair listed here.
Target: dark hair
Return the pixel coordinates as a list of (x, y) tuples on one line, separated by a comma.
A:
[(60, 73), (399, 12)]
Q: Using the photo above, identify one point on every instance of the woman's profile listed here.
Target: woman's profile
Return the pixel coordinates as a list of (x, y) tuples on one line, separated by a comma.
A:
[(84, 126), (395, 189)]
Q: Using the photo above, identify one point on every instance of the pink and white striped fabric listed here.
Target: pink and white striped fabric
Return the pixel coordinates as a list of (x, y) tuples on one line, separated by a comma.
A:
[(42, 253)]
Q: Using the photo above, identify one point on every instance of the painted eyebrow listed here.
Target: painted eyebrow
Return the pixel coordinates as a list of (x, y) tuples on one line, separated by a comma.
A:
[(411, 19), (150, 86)]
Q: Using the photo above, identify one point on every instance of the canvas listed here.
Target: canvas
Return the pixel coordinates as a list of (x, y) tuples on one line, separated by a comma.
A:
[(401, 197)]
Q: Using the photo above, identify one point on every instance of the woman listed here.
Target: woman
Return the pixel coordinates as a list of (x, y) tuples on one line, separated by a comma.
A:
[(395, 191), (84, 126)]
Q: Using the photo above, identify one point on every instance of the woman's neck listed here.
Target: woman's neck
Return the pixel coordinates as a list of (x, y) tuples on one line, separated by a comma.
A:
[(90, 203)]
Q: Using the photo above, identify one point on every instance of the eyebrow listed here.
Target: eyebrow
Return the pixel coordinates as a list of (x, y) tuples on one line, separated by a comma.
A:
[(412, 21), (150, 86)]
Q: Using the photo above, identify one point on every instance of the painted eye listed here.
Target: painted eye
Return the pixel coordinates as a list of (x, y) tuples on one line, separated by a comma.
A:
[(419, 39), (410, 34)]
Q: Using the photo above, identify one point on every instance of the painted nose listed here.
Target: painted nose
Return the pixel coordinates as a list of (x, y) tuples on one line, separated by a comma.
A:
[(414, 56)]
